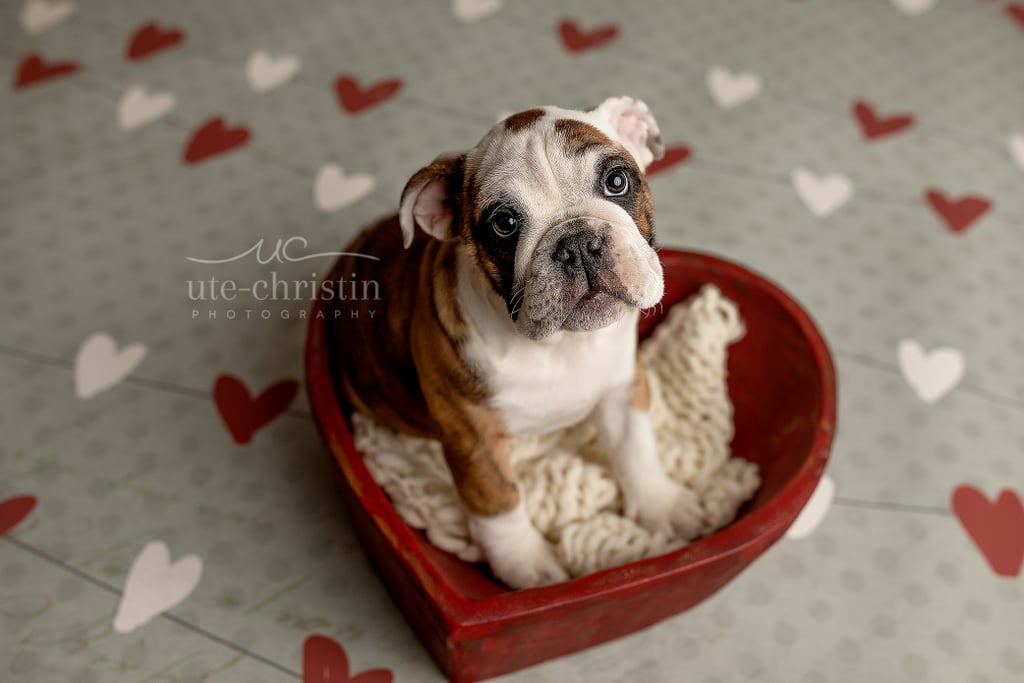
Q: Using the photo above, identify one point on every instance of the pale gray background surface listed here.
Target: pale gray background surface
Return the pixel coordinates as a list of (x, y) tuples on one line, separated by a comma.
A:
[(96, 223)]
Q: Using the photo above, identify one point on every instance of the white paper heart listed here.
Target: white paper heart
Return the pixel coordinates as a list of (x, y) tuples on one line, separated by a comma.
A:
[(334, 190), (815, 510), (99, 365), (821, 194), (155, 585), (139, 107), (732, 89), (38, 15), (469, 11), (266, 72), (1016, 143), (933, 374), (913, 8)]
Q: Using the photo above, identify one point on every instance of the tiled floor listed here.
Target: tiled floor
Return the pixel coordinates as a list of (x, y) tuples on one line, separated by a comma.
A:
[(919, 237)]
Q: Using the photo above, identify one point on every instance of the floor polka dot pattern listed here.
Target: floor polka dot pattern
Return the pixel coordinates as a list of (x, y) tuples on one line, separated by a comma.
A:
[(165, 509)]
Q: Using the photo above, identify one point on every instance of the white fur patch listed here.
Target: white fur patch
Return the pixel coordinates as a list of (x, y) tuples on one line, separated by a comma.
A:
[(541, 386), (516, 551)]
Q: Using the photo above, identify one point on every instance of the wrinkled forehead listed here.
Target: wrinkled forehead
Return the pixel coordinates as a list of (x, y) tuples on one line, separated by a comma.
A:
[(539, 148)]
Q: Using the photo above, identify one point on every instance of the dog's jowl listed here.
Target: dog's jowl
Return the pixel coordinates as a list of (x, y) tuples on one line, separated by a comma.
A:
[(511, 282)]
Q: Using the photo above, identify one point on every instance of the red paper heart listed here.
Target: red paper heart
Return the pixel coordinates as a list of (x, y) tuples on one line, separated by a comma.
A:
[(13, 510), (213, 138), (996, 528), (33, 69), (244, 415), (874, 126), (576, 40), (355, 99), (324, 661), (960, 213), (149, 39), (1016, 12), (674, 156)]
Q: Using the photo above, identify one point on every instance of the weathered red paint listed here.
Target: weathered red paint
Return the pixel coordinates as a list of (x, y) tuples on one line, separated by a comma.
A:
[(782, 384)]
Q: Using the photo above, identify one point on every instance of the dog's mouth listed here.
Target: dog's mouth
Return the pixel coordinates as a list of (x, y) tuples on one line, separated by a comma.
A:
[(593, 304), (595, 288), (596, 298), (588, 304)]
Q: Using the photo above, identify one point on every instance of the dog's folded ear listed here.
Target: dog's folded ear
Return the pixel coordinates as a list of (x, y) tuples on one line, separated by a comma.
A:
[(636, 127), (429, 197)]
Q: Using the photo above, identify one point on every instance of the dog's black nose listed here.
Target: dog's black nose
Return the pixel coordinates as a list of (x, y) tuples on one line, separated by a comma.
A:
[(581, 250)]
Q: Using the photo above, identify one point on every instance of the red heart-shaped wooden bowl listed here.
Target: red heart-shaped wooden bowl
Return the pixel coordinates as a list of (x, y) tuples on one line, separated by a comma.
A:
[(782, 384)]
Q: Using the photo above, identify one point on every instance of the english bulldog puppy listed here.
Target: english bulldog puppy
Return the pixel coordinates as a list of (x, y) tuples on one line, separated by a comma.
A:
[(511, 282)]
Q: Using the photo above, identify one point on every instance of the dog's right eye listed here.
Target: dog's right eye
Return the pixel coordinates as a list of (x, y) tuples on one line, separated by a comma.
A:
[(616, 183), (504, 223)]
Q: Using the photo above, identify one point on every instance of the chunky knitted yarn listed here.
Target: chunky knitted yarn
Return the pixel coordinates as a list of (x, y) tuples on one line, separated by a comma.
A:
[(569, 491)]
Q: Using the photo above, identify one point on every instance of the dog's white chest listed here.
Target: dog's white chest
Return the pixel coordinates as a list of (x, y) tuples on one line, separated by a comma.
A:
[(543, 386)]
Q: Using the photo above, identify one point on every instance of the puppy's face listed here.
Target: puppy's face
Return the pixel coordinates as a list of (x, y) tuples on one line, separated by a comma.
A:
[(553, 207)]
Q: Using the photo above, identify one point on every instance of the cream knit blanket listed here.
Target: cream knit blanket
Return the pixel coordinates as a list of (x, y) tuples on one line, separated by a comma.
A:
[(570, 493)]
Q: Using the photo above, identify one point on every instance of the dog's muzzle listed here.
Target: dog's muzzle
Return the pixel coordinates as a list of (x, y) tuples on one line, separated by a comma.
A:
[(576, 279)]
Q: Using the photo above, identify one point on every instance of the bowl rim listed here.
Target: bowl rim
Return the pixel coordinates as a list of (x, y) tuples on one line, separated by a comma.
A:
[(466, 611)]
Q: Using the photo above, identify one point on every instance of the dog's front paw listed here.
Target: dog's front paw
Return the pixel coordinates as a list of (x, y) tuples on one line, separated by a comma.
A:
[(532, 565), (668, 508), (518, 553)]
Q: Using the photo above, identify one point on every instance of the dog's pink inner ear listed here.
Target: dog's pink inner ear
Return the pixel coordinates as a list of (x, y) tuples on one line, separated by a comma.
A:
[(426, 205), (635, 130), (636, 127), (632, 129), (431, 209)]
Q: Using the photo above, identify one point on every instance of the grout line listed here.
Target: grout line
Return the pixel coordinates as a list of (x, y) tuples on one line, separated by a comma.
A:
[(99, 583), (680, 66), (195, 393), (63, 565), (159, 385), (783, 180), (175, 119), (409, 102), (98, 88), (228, 644), (33, 357), (171, 388), (723, 168), (990, 396), (931, 132), (698, 163), (892, 507)]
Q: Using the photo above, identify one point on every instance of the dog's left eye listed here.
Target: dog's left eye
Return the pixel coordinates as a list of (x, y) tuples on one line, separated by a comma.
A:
[(505, 223), (616, 183)]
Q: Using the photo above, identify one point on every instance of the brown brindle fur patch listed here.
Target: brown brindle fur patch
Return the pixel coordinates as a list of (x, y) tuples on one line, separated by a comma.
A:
[(476, 448), (523, 119), (404, 367), (580, 137), (473, 435), (482, 254), (641, 209), (640, 392)]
